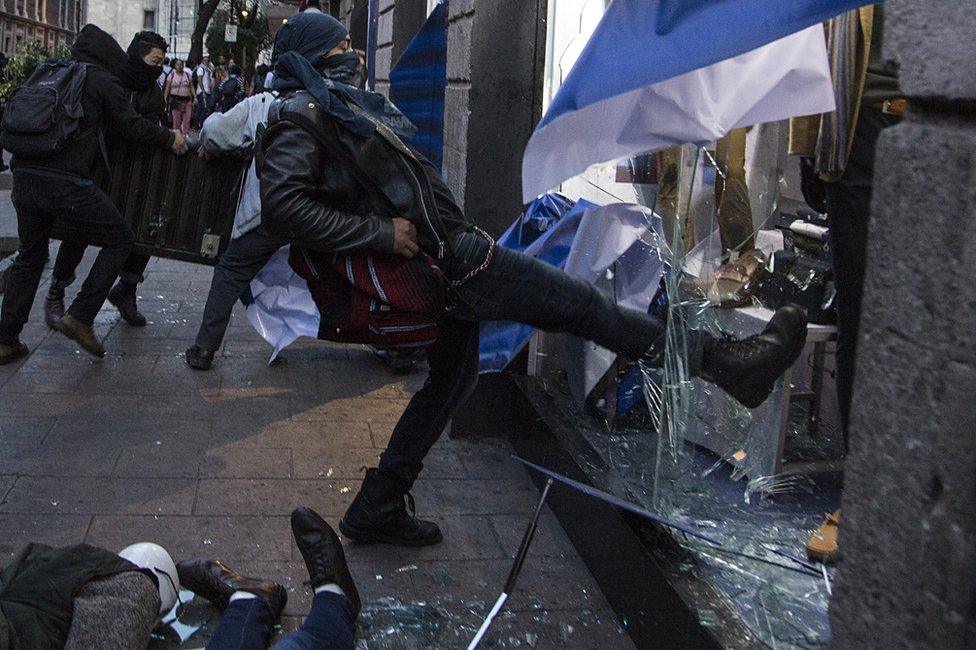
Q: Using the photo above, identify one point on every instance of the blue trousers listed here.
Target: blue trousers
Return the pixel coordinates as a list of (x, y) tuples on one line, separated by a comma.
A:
[(247, 625)]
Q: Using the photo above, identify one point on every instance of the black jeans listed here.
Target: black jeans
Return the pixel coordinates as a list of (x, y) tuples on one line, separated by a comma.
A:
[(92, 218), (513, 287), (70, 254), (849, 210), (247, 625), (238, 265)]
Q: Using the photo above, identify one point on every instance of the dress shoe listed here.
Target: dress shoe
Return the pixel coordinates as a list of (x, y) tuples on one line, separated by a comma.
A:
[(217, 582), (54, 305), (379, 514), (822, 545), (83, 335), (123, 297), (10, 352), (748, 368), (322, 551), (198, 358)]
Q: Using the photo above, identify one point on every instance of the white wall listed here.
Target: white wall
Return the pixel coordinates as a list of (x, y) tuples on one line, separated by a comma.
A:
[(121, 18)]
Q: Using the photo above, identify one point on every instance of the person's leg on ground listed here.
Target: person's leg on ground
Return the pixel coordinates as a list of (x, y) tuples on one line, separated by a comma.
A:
[(336, 604), (70, 254), (378, 512), (185, 117), (238, 265), (95, 214), (33, 227), (246, 624), (123, 294)]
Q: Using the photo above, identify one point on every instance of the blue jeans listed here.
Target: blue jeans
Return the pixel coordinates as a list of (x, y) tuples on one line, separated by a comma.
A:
[(247, 625)]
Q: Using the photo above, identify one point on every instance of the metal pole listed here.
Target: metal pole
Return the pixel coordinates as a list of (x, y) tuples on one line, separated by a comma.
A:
[(516, 568)]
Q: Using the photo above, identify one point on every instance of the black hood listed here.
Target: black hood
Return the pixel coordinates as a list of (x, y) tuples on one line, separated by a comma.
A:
[(136, 74), (96, 46)]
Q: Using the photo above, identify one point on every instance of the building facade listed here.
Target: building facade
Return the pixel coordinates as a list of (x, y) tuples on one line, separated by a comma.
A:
[(51, 22), (123, 18)]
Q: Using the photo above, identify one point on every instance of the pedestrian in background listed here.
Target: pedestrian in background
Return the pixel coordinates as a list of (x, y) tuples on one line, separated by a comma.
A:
[(181, 96), (232, 90), (203, 78), (218, 79)]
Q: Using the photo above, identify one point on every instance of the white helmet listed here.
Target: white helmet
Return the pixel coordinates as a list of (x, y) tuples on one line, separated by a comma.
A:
[(154, 557)]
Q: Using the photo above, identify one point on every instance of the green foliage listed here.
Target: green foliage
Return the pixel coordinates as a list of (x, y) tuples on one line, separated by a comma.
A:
[(22, 64), (253, 36)]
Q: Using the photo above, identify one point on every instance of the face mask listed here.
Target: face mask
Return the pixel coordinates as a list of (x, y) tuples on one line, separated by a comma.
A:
[(345, 68)]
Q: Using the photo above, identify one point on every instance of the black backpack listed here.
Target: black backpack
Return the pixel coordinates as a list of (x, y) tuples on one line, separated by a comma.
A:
[(44, 114)]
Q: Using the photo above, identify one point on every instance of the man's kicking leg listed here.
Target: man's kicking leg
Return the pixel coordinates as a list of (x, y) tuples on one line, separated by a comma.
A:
[(378, 513), (242, 260)]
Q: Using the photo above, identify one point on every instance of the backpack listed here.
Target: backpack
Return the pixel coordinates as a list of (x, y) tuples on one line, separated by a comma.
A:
[(381, 300), (44, 114)]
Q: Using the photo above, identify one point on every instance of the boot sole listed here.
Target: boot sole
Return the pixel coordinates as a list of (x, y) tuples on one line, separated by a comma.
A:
[(373, 537), (758, 393)]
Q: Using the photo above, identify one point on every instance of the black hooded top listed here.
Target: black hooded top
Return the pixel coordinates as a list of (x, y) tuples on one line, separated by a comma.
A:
[(139, 79), (105, 105)]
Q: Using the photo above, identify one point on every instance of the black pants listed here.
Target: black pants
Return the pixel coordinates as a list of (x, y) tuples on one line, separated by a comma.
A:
[(70, 254), (92, 218), (519, 288), (849, 209)]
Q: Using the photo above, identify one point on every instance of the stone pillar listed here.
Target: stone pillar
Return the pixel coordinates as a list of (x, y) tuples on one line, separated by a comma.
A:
[(495, 55), (908, 536)]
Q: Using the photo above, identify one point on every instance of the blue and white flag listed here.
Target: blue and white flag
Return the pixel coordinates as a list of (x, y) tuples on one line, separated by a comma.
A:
[(662, 72)]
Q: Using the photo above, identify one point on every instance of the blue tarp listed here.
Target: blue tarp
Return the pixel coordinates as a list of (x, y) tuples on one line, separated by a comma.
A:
[(546, 230), (417, 84)]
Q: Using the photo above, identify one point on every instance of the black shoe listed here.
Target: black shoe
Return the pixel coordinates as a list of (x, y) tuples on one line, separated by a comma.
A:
[(323, 554), (10, 352), (123, 296), (747, 369), (378, 514), (82, 334), (217, 582), (198, 358), (54, 305)]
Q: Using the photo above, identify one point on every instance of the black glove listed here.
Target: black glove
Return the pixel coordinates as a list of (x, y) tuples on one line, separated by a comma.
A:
[(811, 185)]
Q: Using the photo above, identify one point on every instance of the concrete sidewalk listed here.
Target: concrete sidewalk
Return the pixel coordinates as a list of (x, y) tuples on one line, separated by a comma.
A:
[(139, 447)]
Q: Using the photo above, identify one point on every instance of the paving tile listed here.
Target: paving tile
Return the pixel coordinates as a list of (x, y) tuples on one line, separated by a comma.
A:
[(273, 496), (466, 537), (25, 430), (325, 436), (549, 540), (233, 539), (480, 497), (57, 459), (55, 530), (99, 496), (240, 461)]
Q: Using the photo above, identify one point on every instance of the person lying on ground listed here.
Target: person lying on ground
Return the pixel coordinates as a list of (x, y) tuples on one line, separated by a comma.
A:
[(252, 606)]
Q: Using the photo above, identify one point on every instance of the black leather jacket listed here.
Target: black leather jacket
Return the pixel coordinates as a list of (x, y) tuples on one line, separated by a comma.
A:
[(328, 189)]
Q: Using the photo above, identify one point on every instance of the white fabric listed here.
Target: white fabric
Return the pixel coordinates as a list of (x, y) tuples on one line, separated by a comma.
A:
[(205, 75), (621, 249), (242, 595), (783, 79), (283, 309), (331, 587), (232, 131)]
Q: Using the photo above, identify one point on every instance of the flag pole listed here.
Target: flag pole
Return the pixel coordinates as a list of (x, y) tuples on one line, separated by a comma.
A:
[(516, 568)]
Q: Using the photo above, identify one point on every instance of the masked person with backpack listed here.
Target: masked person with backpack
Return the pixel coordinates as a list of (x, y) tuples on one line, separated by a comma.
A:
[(336, 175), (54, 126), (138, 77)]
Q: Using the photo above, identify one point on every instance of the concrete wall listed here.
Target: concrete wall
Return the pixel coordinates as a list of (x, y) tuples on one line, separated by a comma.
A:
[(908, 538), (493, 101), (122, 18)]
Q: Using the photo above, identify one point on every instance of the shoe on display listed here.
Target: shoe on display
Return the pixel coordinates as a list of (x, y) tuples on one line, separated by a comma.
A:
[(83, 335), (198, 358), (217, 582), (379, 514), (748, 368), (322, 551), (822, 545), (123, 297)]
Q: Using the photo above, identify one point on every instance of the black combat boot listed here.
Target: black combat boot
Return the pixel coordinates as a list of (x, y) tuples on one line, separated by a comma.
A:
[(54, 304), (217, 582), (123, 297), (747, 369), (379, 514), (198, 358), (324, 558)]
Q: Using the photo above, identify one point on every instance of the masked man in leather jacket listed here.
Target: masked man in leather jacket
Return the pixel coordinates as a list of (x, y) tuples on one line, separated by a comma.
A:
[(327, 156)]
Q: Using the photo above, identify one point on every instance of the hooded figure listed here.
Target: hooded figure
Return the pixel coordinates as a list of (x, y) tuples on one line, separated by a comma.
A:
[(94, 45), (139, 78)]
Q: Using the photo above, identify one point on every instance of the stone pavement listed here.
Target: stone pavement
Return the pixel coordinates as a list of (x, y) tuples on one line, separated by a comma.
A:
[(139, 447)]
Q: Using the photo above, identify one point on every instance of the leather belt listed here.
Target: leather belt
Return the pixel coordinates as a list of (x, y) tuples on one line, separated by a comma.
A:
[(891, 106)]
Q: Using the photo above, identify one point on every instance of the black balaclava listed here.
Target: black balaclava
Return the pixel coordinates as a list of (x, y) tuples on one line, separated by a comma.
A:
[(96, 46), (136, 74)]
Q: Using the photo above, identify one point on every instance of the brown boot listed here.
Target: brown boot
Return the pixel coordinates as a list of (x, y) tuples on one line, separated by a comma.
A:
[(10, 352), (123, 297), (54, 305), (83, 335), (822, 545)]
